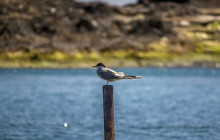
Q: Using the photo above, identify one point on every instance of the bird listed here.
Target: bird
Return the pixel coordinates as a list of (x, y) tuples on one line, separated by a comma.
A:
[(110, 75)]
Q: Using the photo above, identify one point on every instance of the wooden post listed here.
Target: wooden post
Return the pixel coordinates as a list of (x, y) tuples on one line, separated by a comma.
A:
[(108, 109)]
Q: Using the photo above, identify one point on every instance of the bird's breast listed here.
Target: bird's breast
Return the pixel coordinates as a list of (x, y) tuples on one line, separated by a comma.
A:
[(99, 74)]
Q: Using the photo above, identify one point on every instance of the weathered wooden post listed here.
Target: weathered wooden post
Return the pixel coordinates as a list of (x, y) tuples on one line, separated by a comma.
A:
[(108, 109)]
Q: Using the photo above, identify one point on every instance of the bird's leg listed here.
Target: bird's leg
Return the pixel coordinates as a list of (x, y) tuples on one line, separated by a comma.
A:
[(107, 83)]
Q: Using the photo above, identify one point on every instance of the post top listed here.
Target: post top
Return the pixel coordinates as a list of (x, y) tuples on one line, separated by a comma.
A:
[(107, 86)]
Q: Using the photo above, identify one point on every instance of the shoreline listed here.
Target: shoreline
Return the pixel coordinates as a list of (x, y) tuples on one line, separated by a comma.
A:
[(110, 63)]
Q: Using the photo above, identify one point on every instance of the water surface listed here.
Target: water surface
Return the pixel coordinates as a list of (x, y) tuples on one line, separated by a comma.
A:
[(166, 104)]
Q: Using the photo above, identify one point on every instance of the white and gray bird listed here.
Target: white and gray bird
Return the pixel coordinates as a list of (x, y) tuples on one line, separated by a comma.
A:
[(110, 75)]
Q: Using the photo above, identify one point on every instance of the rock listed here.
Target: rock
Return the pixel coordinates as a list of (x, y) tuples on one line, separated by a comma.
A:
[(70, 25), (153, 26), (184, 23), (177, 1), (86, 25)]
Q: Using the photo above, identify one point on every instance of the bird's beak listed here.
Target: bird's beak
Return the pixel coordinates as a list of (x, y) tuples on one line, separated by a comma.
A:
[(94, 66)]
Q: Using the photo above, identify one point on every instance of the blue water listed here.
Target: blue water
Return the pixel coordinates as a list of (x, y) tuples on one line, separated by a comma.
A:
[(166, 104)]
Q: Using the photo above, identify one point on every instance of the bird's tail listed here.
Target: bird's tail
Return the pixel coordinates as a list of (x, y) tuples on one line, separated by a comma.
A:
[(131, 77)]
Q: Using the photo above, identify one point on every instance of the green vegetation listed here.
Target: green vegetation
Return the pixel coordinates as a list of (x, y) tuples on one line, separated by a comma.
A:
[(214, 25), (208, 48), (204, 48), (157, 54)]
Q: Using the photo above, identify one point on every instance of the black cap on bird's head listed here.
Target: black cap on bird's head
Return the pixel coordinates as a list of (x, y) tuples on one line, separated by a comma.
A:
[(99, 64)]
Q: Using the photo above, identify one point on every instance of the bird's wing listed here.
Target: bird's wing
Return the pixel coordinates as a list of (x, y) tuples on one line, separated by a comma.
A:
[(111, 74), (122, 73)]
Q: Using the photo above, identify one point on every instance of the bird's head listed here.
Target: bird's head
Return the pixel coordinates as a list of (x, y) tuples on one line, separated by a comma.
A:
[(99, 65)]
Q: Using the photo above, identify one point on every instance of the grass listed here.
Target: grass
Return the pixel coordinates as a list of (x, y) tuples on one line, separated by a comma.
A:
[(202, 49), (157, 54), (214, 25), (208, 47)]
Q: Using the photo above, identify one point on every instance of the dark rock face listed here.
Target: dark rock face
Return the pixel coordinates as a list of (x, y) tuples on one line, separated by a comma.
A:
[(68, 25), (85, 25), (153, 26), (177, 1), (43, 27)]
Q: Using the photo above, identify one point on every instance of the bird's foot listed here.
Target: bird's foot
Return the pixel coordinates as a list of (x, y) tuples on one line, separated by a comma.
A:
[(107, 83)]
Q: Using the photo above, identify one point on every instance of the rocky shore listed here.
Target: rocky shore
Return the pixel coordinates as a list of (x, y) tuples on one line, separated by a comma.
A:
[(165, 27)]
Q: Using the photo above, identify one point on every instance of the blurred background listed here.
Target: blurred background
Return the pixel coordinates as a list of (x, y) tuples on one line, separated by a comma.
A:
[(131, 33), (48, 90)]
